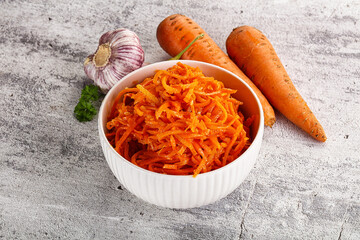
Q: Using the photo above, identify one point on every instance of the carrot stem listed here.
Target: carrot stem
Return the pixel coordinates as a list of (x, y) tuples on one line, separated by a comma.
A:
[(177, 57)]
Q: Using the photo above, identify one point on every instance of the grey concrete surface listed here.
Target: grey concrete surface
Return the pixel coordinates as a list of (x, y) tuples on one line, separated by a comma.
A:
[(55, 183)]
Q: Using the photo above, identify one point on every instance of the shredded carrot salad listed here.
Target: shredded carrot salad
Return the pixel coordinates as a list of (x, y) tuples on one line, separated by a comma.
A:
[(178, 122)]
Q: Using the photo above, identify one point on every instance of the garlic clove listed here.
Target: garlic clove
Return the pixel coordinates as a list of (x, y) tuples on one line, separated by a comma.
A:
[(119, 53)]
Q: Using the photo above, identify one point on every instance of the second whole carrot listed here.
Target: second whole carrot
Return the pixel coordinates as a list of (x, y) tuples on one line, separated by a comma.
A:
[(256, 57), (175, 32)]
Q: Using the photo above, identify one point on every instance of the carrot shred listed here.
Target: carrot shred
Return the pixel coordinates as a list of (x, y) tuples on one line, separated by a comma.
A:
[(178, 122)]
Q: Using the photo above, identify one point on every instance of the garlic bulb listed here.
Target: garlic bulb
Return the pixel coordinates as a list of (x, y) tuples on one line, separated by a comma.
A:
[(119, 53)]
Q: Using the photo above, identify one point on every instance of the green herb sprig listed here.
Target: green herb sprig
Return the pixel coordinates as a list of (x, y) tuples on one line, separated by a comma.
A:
[(84, 110)]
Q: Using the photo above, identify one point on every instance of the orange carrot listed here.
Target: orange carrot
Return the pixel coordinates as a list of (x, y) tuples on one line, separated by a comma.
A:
[(178, 133), (256, 57), (175, 32)]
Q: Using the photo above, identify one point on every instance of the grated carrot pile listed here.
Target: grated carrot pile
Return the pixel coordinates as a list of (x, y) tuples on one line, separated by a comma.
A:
[(178, 122)]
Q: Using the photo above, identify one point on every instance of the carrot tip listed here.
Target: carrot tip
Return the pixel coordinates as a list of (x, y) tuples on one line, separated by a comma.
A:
[(270, 122)]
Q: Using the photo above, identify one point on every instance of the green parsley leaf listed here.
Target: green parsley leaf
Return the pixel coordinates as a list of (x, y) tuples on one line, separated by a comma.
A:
[(90, 93), (84, 110)]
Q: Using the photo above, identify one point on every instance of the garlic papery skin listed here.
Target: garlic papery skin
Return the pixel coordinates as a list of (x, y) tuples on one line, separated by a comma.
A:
[(119, 53)]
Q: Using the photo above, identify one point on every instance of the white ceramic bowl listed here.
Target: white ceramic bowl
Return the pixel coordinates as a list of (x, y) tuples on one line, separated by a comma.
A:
[(184, 191)]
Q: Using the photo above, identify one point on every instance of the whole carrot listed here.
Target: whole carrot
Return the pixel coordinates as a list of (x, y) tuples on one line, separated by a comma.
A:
[(256, 57), (175, 32)]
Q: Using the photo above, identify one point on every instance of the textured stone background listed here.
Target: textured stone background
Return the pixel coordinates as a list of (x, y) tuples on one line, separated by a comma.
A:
[(55, 183)]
